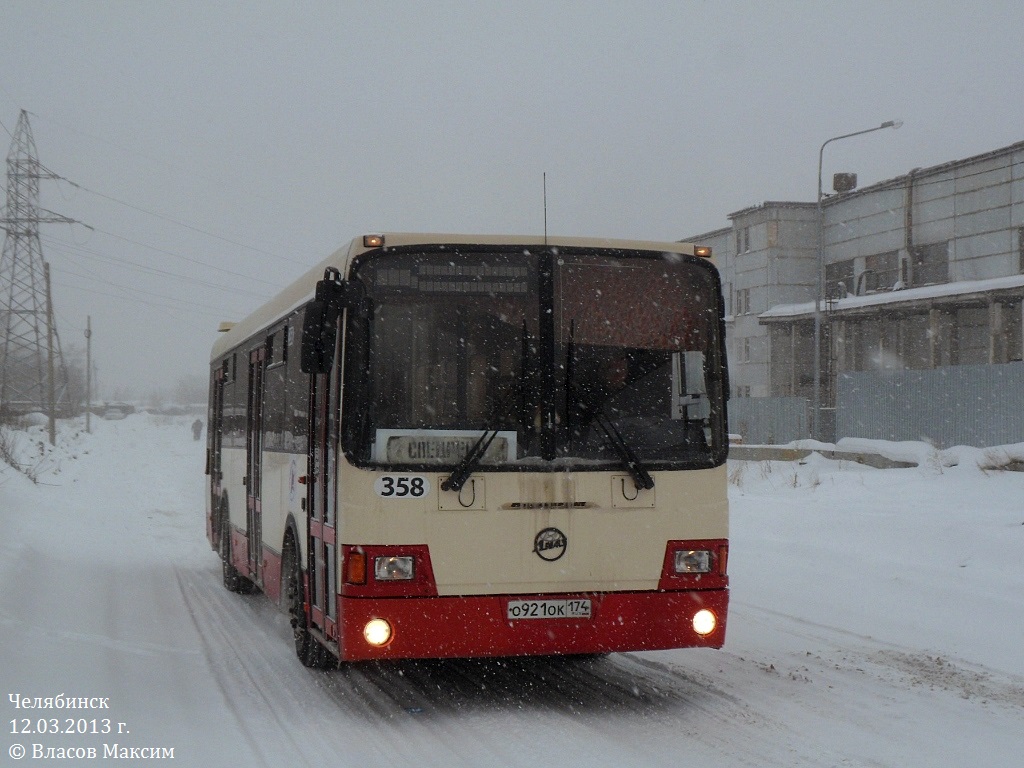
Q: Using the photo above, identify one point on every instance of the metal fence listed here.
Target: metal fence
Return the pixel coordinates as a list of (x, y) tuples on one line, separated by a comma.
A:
[(769, 420), (979, 405)]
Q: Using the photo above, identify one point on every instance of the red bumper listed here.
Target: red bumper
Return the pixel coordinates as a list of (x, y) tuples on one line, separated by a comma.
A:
[(447, 627)]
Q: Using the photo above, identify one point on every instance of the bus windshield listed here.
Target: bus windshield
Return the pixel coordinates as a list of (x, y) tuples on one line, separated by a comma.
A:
[(559, 358)]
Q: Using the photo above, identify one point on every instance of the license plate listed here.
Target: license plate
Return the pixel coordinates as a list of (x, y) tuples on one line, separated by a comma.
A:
[(548, 609)]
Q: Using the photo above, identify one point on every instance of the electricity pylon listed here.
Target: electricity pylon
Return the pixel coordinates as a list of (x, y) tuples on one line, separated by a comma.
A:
[(32, 372)]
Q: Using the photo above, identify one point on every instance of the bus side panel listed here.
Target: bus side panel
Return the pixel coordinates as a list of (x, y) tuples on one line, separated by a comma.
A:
[(272, 574)]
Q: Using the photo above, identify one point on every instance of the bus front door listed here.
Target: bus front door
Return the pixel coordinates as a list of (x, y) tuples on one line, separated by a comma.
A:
[(254, 461), (323, 565), (214, 452)]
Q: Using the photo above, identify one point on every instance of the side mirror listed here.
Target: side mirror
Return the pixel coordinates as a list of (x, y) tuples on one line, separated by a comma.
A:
[(320, 324), (317, 337)]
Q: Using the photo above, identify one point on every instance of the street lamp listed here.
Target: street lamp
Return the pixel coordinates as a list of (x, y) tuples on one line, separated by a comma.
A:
[(819, 294)]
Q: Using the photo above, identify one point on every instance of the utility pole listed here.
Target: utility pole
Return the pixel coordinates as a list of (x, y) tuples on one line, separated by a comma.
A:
[(817, 430), (88, 373), (30, 354), (51, 393)]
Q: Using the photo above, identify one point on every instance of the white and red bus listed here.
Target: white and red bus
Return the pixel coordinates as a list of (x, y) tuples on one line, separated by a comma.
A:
[(454, 446)]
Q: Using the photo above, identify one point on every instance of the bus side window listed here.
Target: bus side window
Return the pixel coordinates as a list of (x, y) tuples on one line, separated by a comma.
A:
[(296, 417)]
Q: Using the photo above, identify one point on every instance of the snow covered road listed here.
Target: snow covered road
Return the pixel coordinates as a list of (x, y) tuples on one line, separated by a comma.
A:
[(876, 621)]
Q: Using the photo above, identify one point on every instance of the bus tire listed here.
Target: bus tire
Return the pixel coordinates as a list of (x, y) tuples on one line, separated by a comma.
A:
[(234, 581), (309, 650)]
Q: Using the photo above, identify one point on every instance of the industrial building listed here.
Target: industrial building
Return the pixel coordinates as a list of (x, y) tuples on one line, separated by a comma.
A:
[(922, 272)]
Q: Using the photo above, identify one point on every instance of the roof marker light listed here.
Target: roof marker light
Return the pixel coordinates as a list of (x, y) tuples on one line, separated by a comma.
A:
[(373, 241), (702, 250)]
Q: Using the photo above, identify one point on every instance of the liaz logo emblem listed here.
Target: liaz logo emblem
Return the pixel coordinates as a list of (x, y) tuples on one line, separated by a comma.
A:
[(550, 544)]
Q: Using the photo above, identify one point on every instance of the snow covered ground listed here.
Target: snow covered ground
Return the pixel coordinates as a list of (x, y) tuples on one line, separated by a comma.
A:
[(877, 620)]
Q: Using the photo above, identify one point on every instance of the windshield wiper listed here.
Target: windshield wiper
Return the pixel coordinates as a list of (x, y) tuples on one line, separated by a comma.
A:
[(476, 453), (641, 477), (469, 462)]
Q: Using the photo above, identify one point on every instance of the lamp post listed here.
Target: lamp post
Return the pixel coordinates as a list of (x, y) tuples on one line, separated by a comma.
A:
[(819, 294)]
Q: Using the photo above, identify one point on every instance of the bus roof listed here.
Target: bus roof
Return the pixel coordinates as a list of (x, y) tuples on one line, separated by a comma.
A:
[(302, 290)]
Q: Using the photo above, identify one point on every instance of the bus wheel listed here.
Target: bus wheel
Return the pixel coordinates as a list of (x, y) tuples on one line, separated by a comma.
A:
[(233, 580), (307, 647)]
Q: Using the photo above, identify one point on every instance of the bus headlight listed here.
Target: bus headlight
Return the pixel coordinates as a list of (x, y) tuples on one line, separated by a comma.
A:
[(394, 568), (693, 561), (704, 622), (377, 632)]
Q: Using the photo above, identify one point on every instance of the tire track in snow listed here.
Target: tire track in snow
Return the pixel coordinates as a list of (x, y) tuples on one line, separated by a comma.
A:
[(900, 666), (599, 706), (222, 656), (274, 698), (937, 672), (731, 727), (410, 706)]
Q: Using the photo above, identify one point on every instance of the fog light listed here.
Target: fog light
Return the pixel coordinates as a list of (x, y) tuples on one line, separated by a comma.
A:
[(378, 632), (704, 622)]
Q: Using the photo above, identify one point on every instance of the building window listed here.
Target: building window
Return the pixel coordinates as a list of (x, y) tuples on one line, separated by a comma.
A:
[(745, 351), (1020, 249), (881, 272), (929, 264), (915, 342), (972, 335), (742, 301), (839, 279), (1012, 329), (742, 240)]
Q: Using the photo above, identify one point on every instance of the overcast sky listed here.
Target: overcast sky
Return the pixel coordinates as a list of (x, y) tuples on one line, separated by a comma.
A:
[(223, 148)]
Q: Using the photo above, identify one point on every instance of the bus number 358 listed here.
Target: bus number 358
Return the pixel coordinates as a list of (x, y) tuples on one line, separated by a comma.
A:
[(401, 486)]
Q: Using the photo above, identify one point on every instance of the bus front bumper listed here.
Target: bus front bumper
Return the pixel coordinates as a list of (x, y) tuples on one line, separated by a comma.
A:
[(461, 627)]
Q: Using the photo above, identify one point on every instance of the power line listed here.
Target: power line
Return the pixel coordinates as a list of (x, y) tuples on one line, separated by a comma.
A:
[(151, 158), (202, 264), (88, 253), (179, 223), (131, 291), (164, 217), (202, 309)]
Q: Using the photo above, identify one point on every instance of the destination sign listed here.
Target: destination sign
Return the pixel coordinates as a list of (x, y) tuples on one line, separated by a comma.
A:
[(486, 279), (443, 447)]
